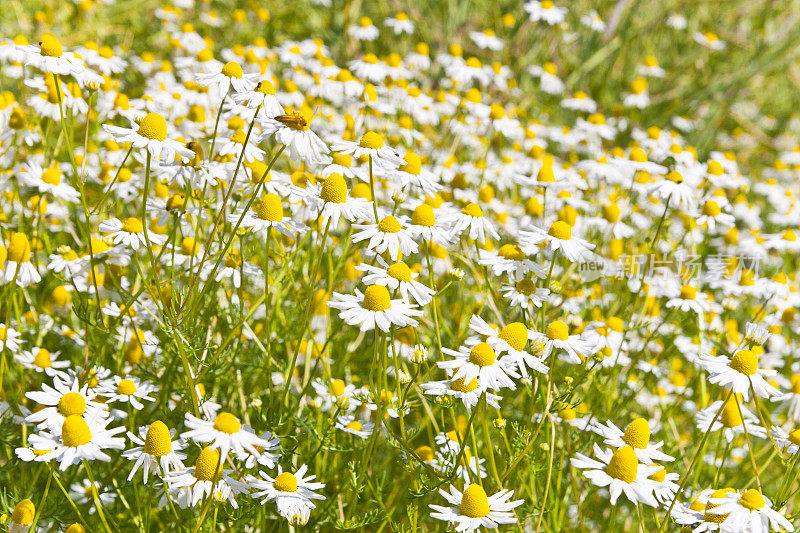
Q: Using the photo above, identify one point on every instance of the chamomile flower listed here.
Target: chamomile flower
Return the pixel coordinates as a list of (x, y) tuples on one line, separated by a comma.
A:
[(374, 308), (350, 424), (480, 361), (470, 219), (22, 517), (621, 472), (225, 433), (558, 237), (151, 133), (637, 436), (545, 10), (10, 339), (292, 130), (373, 145), (733, 420), (79, 438), (18, 266), (65, 398), (397, 276), (157, 451), (49, 56), (740, 373), (130, 389), (787, 441), (229, 75), (400, 23), (749, 510), (42, 360), (131, 233), (474, 509), (467, 391), (293, 493), (389, 235), (557, 337), (190, 486)]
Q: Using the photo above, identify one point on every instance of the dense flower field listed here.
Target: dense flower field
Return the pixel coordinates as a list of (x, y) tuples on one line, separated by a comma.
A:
[(332, 265)]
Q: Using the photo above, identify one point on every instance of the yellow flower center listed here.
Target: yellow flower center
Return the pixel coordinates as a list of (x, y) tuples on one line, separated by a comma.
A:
[(688, 292), (132, 225), (188, 246), (126, 387), (525, 286), (715, 168), (176, 201), (557, 330), (752, 499), (334, 189), (711, 208), (389, 224), (23, 513), (42, 359), (615, 323), (376, 298), (19, 248), (473, 210), (227, 423), (623, 465), (51, 176), (794, 436), (511, 251), (413, 164), (265, 87), (611, 212), (423, 216), (270, 208), (730, 417), (474, 502), (337, 387), (72, 403), (712, 517), (153, 126), (400, 271), (637, 434), (50, 47), (75, 431), (745, 362), (515, 334), (460, 385), (659, 476), (560, 230), (232, 70), (157, 442), (286, 482), (371, 140), (482, 355), (208, 466)]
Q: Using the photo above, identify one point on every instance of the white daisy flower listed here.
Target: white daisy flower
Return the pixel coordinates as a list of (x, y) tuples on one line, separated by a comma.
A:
[(558, 237), (66, 397), (129, 389), (470, 218), (397, 276), (621, 472), (739, 373), (349, 424), (293, 493), (475, 509), (150, 133), (636, 435), (480, 361), (79, 438), (42, 360), (292, 130), (190, 486), (374, 308), (157, 451), (226, 434), (389, 235), (130, 233), (374, 145), (749, 511)]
